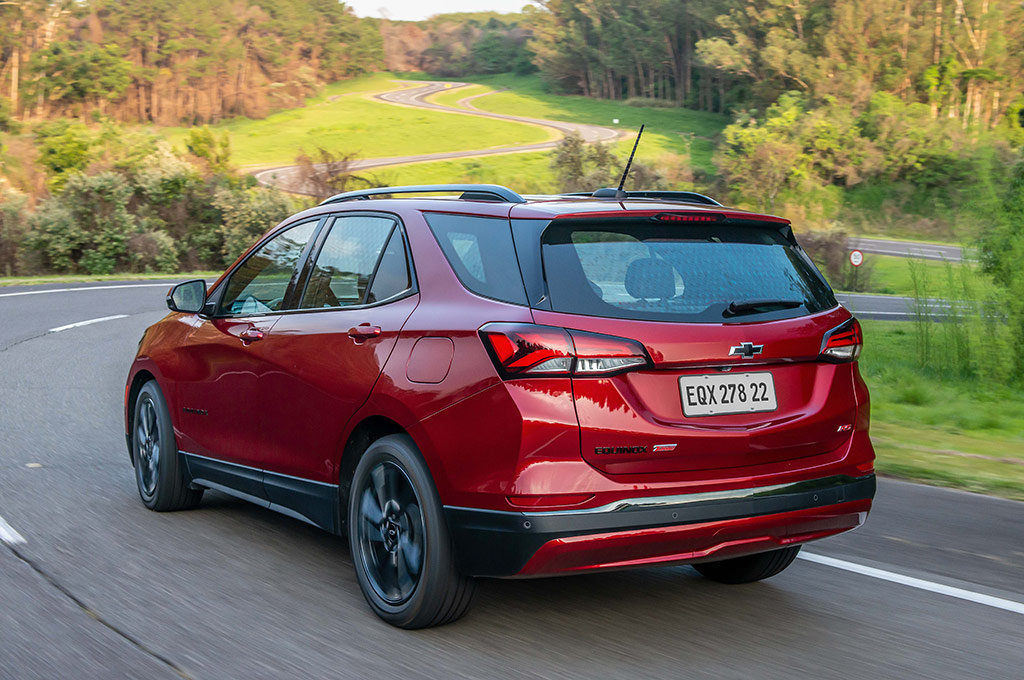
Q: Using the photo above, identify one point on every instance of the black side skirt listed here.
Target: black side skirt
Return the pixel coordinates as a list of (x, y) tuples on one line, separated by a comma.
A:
[(313, 502)]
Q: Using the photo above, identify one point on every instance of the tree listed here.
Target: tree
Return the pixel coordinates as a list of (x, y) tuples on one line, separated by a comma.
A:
[(326, 173), (72, 74)]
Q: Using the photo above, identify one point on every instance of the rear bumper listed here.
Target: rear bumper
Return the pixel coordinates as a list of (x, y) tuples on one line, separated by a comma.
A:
[(657, 530)]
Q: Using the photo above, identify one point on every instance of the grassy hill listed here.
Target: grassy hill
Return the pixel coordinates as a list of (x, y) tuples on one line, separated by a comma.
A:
[(673, 139), (344, 118)]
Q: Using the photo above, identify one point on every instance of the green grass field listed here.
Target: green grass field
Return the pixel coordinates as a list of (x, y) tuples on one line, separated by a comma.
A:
[(342, 118), (936, 428), (524, 172), (891, 275), (531, 172), (453, 97), (673, 130)]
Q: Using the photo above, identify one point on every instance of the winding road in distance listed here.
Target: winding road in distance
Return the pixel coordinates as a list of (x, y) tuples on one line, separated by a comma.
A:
[(287, 177)]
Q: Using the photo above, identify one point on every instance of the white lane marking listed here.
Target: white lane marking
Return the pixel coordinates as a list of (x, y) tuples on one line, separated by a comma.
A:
[(921, 584), (8, 535), (88, 322), (72, 290)]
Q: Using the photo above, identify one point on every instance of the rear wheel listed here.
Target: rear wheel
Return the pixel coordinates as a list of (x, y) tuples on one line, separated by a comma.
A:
[(400, 544), (749, 568), (159, 470)]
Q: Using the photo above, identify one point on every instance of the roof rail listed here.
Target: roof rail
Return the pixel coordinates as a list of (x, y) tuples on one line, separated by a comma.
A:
[(471, 192), (684, 196)]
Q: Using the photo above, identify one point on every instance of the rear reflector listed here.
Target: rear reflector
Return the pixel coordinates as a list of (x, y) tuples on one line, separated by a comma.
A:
[(521, 350), (843, 343), (550, 500)]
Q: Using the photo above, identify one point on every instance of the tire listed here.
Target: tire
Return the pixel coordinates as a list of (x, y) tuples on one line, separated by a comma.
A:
[(159, 469), (749, 568), (401, 549)]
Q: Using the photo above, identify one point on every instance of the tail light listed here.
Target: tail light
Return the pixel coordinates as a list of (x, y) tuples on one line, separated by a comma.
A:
[(527, 350), (842, 344)]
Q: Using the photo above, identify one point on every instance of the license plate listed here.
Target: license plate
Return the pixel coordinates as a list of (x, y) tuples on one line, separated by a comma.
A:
[(719, 395)]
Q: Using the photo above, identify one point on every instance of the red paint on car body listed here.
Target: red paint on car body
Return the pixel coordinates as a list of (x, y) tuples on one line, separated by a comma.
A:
[(291, 402)]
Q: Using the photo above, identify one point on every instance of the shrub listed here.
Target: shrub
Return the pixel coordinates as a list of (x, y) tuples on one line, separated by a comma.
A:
[(88, 225), (246, 215), (13, 227), (152, 251)]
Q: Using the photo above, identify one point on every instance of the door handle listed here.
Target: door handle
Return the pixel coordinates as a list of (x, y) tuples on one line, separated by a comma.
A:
[(250, 335), (363, 331)]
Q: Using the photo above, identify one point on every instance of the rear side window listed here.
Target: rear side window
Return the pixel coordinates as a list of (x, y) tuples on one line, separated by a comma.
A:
[(361, 261), (692, 273), (480, 251)]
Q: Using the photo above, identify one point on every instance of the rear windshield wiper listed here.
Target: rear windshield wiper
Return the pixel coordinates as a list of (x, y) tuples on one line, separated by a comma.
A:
[(737, 307)]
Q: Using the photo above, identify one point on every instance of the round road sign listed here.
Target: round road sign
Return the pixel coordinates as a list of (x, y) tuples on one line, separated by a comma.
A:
[(856, 258)]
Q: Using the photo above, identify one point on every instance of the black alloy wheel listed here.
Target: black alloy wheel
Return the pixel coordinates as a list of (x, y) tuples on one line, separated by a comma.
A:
[(391, 532), (159, 470), (401, 549)]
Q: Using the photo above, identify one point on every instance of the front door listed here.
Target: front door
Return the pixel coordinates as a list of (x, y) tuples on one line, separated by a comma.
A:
[(225, 356)]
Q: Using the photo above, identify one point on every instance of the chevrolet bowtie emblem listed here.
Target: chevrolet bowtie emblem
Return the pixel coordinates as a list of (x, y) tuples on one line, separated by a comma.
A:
[(747, 350)]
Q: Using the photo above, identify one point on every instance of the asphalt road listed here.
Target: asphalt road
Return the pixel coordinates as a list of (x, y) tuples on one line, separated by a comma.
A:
[(892, 307), (100, 587), (924, 251), (288, 177)]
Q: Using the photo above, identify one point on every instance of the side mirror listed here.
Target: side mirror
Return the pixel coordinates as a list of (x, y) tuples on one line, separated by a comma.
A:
[(188, 297)]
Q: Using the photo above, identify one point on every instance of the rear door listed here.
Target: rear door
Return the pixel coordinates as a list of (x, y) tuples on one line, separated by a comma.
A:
[(732, 316), (324, 357)]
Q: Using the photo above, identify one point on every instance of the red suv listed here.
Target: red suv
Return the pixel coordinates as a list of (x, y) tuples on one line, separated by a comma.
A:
[(487, 385)]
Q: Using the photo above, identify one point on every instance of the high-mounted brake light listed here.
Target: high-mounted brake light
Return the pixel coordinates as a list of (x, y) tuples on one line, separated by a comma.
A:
[(843, 343), (689, 217), (522, 350)]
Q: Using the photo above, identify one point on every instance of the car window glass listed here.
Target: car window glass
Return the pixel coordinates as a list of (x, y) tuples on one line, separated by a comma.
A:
[(481, 252), (392, 275), (658, 272), (259, 284), (345, 264)]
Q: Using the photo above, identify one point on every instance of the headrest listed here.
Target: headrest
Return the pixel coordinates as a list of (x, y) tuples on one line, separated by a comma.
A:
[(650, 278)]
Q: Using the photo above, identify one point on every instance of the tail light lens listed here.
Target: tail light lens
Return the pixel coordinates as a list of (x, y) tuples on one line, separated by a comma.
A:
[(522, 350), (843, 343)]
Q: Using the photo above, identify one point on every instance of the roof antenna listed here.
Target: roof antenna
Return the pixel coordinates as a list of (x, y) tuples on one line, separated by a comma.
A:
[(619, 193)]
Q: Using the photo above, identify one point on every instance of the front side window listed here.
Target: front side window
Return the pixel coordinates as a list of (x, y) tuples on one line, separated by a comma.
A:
[(259, 284), (362, 261)]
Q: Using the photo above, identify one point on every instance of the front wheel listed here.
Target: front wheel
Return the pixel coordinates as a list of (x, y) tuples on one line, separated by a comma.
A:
[(748, 568), (401, 548), (159, 470)]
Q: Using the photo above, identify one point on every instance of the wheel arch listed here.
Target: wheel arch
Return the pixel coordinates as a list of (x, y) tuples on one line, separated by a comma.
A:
[(141, 377), (367, 431)]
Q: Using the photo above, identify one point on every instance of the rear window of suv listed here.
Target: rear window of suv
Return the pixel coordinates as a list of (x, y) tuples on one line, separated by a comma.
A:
[(684, 273)]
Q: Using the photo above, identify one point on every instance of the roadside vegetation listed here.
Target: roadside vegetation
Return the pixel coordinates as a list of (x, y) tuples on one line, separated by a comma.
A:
[(954, 421), (7, 281)]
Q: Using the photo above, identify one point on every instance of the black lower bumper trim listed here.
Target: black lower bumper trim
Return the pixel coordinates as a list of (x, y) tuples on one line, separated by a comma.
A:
[(497, 543)]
